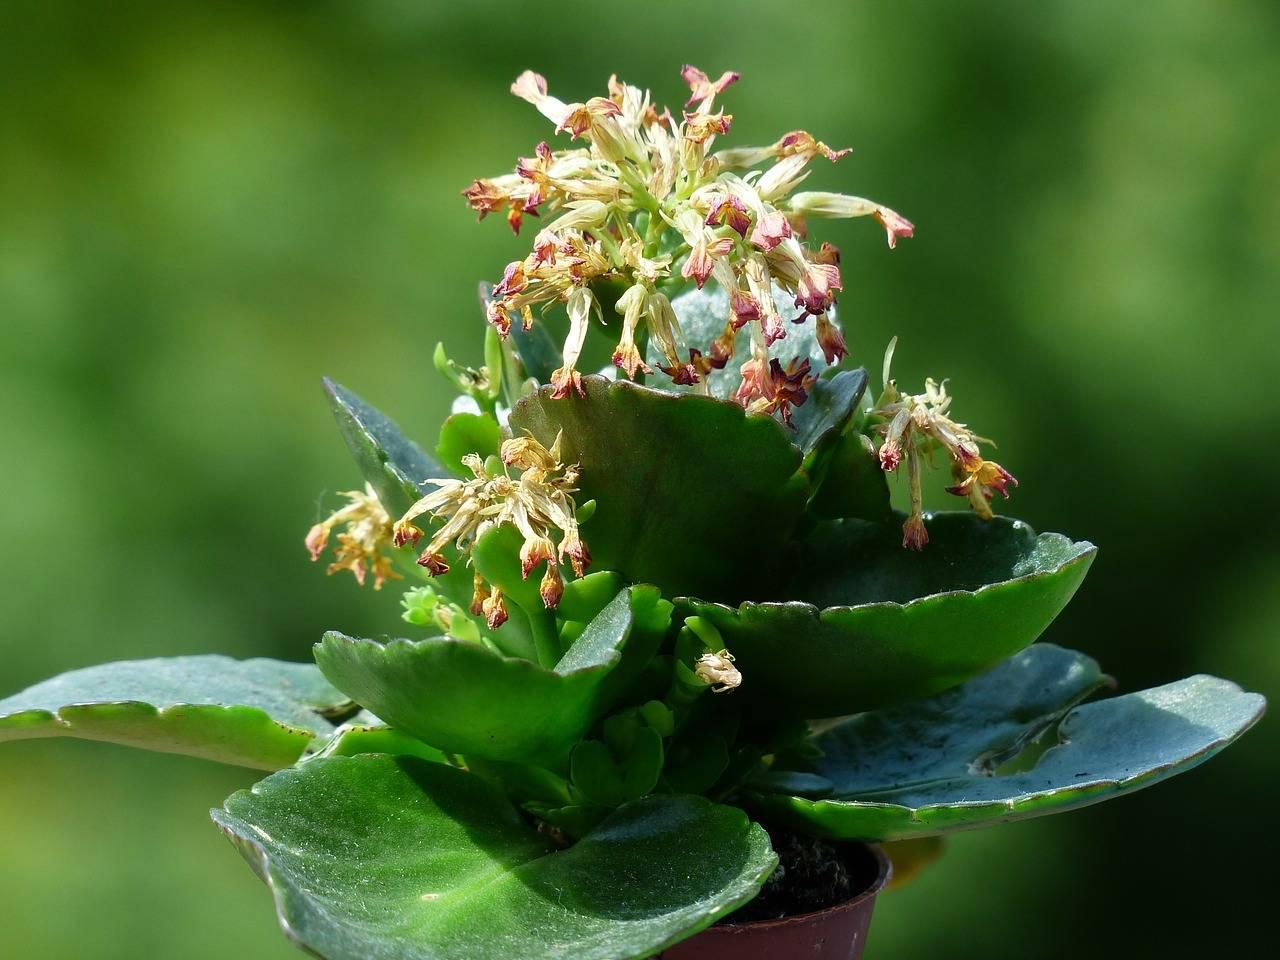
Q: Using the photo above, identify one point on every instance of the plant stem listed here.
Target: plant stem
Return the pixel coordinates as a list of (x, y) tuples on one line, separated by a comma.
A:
[(546, 640)]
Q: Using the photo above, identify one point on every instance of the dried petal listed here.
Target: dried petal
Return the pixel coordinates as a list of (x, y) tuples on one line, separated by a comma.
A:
[(717, 671)]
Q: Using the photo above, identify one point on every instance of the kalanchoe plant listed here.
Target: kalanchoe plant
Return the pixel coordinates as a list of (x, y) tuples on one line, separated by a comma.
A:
[(637, 598)]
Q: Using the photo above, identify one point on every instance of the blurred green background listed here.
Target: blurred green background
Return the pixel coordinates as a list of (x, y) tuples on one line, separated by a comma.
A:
[(206, 206)]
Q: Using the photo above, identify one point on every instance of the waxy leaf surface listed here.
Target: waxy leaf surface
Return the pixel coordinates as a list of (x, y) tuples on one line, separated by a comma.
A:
[(365, 733), (256, 713), (464, 698), (819, 421), (884, 625), (538, 352), (851, 484), (952, 762), (382, 858), (466, 433), (693, 495), (394, 465)]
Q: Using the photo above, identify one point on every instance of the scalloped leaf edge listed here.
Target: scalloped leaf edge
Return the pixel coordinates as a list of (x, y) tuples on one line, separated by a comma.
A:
[(901, 821), (260, 861), (1085, 552)]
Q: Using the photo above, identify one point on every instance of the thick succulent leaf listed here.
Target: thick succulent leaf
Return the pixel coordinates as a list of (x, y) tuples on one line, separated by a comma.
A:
[(465, 433), (952, 762), (820, 420), (530, 631), (465, 698), (969, 730), (537, 351), (703, 314), (256, 713), (694, 495), (885, 625), (394, 465), (852, 485), (380, 858), (365, 733)]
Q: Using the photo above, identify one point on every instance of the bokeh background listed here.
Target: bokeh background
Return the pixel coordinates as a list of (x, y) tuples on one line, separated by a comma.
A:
[(205, 206)]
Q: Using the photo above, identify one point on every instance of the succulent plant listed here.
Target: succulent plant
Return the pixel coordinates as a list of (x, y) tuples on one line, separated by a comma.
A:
[(651, 609)]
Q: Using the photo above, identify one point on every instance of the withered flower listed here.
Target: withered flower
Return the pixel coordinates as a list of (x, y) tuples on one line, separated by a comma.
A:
[(642, 194), (538, 503), (912, 426), (718, 672), (363, 544)]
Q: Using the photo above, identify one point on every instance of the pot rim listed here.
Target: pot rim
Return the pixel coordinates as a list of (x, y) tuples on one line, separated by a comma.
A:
[(884, 872)]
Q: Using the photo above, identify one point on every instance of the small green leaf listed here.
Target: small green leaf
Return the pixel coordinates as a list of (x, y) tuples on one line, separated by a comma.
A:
[(819, 421), (395, 466), (365, 733), (944, 763), (496, 557), (522, 782), (586, 596), (380, 858), (885, 625), (466, 699), (255, 713), (595, 775), (464, 433), (683, 482), (574, 820), (636, 750), (694, 763)]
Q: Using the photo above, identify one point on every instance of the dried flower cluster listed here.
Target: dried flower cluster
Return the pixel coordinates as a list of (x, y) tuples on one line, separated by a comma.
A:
[(912, 427), (362, 544), (641, 207), (537, 503), (645, 202)]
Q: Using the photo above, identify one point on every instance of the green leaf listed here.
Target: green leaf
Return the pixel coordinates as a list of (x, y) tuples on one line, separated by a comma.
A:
[(884, 625), (365, 733), (595, 774), (852, 485), (395, 466), (694, 495), (624, 766), (820, 420), (694, 763), (960, 759), (467, 699), (531, 630), (256, 713), (703, 314), (464, 433), (379, 858), (538, 353), (586, 596)]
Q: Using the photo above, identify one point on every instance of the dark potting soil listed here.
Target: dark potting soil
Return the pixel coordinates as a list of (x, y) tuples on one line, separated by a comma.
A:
[(812, 874)]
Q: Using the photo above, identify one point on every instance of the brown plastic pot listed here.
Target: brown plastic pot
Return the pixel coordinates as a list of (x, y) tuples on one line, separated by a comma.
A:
[(836, 933)]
